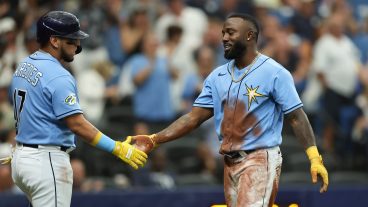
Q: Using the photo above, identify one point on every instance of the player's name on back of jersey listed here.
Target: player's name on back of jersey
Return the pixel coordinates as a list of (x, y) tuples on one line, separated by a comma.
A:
[(28, 72)]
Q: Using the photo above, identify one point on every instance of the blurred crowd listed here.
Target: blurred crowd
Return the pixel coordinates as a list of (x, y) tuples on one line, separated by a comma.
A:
[(145, 62)]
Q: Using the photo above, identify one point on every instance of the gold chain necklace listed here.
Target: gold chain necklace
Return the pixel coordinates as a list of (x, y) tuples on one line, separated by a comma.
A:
[(246, 71)]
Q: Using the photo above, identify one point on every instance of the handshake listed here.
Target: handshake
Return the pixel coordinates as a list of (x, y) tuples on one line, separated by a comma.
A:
[(134, 149)]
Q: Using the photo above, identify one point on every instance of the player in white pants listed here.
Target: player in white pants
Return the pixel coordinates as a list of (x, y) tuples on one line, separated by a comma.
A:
[(48, 115), (43, 173)]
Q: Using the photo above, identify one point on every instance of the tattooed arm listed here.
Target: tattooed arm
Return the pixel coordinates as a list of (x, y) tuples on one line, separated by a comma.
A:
[(301, 127), (184, 125), (303, 131)]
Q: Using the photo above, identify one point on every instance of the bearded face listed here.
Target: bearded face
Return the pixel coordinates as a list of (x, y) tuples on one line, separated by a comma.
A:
[(65, 56), (234, 50), (234, 38)]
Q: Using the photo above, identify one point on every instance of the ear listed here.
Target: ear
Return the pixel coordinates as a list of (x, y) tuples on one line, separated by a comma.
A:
[(55, 42), (250, 35)]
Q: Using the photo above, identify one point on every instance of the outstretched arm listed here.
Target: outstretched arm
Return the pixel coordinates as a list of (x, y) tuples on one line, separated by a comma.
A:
[(182, 126), (123, 150), (303, 131)]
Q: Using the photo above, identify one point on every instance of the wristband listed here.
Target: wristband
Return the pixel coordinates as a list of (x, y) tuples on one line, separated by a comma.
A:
[(103, 142)]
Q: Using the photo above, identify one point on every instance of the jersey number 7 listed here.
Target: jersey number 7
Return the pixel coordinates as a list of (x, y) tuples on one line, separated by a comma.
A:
[(19, 96)]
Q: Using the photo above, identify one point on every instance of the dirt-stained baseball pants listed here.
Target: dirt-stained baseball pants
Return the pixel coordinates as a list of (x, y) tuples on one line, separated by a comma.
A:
[(251, 180)]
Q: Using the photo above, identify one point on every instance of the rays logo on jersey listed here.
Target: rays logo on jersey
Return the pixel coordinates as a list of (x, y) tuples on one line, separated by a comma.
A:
[(71, 99), (252, 94)]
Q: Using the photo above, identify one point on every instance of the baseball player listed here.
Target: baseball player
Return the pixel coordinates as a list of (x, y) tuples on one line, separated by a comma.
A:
[(47, 114), (249, 97)]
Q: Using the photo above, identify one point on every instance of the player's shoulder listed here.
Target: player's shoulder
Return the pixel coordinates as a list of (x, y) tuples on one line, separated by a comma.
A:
[(272, 66), (47, 64)]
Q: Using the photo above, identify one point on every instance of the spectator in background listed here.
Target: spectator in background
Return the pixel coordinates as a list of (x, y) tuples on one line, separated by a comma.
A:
[(207, 149), (336, 62), (208, 169), (360, 38), (205, 62), (225, 7), (292, 53), (6, 72), (92, 88), (115, 18), (83, 183), (93, 21), (360, 129), (79, 175), (192, 20), (157, 175), (30, 41), (8, 31), (26, 42), (305, 22), (263, 8), (176, 59), (124, 42), (151, 75), (154, 8), (133, 30), (212, 38), (7, 123), (7, 135)]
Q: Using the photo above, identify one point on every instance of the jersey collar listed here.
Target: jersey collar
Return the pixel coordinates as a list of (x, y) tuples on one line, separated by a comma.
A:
[(42, 55)]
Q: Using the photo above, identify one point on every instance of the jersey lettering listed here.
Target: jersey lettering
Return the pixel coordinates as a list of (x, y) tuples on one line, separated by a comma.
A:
[(28, 72), (18, 105)]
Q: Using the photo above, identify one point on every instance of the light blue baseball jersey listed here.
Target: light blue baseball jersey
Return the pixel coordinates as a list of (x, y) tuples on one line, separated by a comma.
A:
[(249, 114), (43, 92)]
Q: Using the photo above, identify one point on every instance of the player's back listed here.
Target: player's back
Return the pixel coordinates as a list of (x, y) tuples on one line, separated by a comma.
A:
[(33, 90)]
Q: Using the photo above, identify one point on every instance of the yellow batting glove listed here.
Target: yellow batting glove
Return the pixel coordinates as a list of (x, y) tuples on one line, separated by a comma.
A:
[(6, 160), (317, 167), (129, 154)]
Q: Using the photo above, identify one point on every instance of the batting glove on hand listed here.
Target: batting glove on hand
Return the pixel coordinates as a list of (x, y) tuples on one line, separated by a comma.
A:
[(317, 167), (129, 154), (146, 143), (6, 160)]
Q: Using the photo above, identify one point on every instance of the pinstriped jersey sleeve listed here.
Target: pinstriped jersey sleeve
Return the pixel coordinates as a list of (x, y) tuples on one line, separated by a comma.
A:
[(284, 92), (205, 98)]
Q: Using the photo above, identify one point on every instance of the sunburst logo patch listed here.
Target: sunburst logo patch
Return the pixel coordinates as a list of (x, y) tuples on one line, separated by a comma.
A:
[(252, 94)]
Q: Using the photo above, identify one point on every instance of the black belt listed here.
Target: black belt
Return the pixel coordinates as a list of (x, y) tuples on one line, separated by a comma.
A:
[(62, 148), (238, 154)]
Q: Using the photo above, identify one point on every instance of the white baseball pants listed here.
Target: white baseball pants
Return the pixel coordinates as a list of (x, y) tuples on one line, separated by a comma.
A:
[(44, 175)]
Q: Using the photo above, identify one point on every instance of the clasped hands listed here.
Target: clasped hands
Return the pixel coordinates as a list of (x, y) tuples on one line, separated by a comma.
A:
[(134, 149)]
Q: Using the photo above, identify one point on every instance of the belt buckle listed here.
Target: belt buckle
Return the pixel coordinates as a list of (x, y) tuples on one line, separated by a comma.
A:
[(242, 153), (69, 149), (233, 155), (236, 154)]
